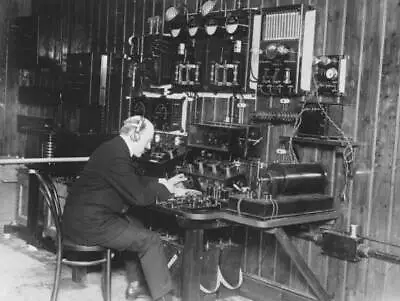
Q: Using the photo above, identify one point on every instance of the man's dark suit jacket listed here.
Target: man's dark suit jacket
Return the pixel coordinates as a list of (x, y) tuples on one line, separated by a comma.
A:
[(107, 185)]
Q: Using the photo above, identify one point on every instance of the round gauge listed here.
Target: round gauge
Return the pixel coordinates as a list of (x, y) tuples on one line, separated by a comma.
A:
[(138, 108), (271, 51), (331, 73)]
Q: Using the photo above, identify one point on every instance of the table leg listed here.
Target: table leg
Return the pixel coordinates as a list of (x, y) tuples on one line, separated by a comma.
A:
[(35, 210), (301, 265), (192, 264)]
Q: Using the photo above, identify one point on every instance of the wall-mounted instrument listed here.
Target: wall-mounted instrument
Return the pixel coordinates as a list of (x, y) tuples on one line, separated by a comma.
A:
[(330, 75), (228, 61), (282, 50)]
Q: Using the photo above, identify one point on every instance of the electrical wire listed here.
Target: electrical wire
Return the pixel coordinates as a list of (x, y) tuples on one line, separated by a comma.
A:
[(215, 289), (238, 206), (348, 151), (221, 280), (276, 204), (227, 284), (297, 123), (253, 77), (379, 241)]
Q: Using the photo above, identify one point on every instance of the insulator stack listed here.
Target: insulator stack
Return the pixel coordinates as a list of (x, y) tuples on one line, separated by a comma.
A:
[(275, 116), (48, 147)]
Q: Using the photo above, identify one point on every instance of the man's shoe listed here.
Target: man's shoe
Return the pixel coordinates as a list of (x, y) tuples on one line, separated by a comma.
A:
[(136, 292)]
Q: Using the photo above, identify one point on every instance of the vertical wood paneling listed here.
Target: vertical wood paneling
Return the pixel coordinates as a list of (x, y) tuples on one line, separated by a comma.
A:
[(101, 28), (9, 139), (252, 251), (79, 36), (354, 48), (334, 44), (391, 290), (368, 109), (390, 93), (267, 256), (383, 153), (4, 6), (367, 31)]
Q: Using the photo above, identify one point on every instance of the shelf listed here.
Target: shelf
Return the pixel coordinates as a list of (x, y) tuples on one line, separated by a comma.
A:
[(207, 176), (326, 141), (226, 95), (227, 125), (174, 133), (220, 149), (183, 95), (176, 96), (211, 176)]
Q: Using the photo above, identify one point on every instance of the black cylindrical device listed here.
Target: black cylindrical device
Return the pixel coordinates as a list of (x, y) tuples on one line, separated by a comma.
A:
[(293, 178)]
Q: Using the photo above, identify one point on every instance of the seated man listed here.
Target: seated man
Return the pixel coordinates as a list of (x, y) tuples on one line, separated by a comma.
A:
[(108, 185)]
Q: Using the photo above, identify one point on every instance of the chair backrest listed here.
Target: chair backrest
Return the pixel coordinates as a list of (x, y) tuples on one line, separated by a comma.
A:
[(49, 192)]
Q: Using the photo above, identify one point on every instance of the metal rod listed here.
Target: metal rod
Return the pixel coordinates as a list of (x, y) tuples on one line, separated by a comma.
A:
[(389, 257), (42, 160), (379, 241)]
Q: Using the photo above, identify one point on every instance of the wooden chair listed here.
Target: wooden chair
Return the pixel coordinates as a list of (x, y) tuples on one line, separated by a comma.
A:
[(51, 197)]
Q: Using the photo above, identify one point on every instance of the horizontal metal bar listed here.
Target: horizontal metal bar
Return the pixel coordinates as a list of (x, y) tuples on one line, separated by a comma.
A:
[(42, 160), (9, 181)]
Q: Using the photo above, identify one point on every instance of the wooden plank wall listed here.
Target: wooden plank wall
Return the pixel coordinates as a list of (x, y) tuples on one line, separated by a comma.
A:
[(369, 33), (9, 140)]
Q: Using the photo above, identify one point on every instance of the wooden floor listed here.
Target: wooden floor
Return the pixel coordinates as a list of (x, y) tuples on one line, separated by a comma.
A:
[(27, 275)]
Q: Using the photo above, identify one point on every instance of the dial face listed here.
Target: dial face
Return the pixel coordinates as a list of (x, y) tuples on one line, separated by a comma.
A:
[(138, 108), (161, 112)]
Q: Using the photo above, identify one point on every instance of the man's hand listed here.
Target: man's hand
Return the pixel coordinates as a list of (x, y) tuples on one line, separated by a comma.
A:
[(171, 183), (179, 178), (182, 192)]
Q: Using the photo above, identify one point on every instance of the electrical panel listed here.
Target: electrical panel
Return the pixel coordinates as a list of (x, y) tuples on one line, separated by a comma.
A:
[(149, 60), (231, 111), (211, 50), (228, 52), (167, 114), (224, 125), (215, 138), (157, 59), (282, 47)]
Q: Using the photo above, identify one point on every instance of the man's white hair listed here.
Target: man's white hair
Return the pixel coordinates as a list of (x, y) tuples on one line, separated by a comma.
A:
[(131, 123)]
